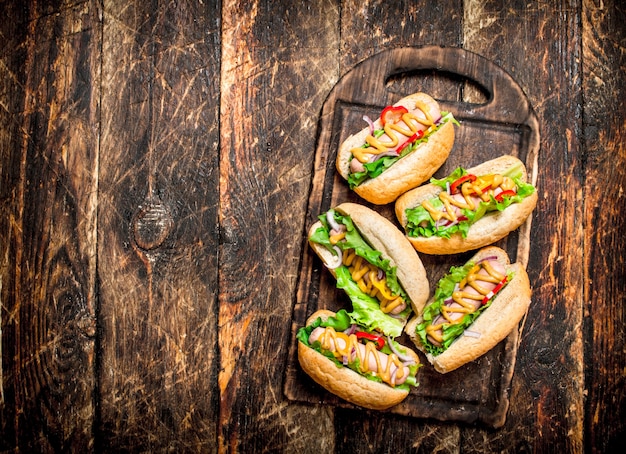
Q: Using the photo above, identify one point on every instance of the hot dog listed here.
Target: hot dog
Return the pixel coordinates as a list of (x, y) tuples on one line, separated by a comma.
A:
[(468, 209), (399, 151), (475, 306), (362, 367), (374, 263)]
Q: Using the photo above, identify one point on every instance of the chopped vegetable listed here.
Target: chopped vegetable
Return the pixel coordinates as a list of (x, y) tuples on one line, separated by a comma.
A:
[(379, 165), (392, 114), (456, 186), (378, 340), (493, 293), (413, 138), (508, 193)]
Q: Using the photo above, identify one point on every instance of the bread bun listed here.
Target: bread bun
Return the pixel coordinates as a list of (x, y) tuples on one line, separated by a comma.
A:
[(346, 383), (409, 171), (385, 237), (490, 228), (494, 324)]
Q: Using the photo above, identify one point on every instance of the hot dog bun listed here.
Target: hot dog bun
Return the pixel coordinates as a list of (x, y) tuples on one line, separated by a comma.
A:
[(385, 237), (344, 382), (492, 227), (409, 171), (492, 325)]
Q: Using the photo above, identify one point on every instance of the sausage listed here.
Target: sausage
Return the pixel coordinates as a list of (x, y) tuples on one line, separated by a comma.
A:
[(474, 200), (476, 303), (372, 366), (400, 138)]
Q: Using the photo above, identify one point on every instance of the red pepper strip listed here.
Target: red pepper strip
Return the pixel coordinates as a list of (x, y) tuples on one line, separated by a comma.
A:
[(413, 138), (496, 289), (503, 194), (459, 219), (379, 340), (392, 114), (454, 187)]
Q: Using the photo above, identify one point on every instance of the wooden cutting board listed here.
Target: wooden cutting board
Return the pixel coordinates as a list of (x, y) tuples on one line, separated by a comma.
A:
[(500, 120)]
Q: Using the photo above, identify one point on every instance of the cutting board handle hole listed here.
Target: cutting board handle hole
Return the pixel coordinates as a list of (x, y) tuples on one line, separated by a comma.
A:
[(441, 85)]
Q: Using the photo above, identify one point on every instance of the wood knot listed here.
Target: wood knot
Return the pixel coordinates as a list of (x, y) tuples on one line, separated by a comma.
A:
[(151, 226)]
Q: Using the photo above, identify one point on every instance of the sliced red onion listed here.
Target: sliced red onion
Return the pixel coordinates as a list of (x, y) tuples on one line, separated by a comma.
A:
[(370, 123), (394, 375), (448, 187), (442, 222), (473, 334), (330, 218), (447, 223), (401, 357), (438, 120), (486, 259), (376, 157), (345, 360), (338, 259), (350, 330), (396, 316)]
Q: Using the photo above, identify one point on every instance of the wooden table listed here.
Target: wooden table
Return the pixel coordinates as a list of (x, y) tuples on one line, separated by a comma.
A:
[(155, 166)]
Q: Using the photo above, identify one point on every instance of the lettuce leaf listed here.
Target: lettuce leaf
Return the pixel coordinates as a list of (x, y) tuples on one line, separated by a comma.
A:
[(373, 169), (366, 309), (421, 224), (444, 290), (341, 322)]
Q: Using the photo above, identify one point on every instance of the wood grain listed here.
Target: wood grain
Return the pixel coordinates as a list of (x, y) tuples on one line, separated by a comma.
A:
[(280, 62), (158, 200), (552, 340), (604, 39), (48, 280)]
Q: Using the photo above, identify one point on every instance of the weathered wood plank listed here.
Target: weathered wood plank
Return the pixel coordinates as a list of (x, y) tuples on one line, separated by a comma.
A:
[(158, 198), (547, 388), (604, 121), (13, 148), (48, 212), (367, 27), (280, 60)]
